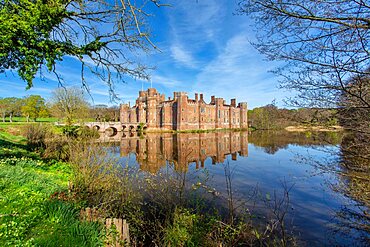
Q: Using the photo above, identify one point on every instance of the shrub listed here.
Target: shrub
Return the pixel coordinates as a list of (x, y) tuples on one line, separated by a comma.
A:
[(36, 134)]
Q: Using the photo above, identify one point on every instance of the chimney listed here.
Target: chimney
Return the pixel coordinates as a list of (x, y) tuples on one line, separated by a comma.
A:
[(233, 102), (169, 98), (212, 99), (196, 97), (201, 97)]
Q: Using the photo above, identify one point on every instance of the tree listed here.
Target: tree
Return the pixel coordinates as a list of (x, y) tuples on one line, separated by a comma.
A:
[(104, 113), (34, 107), (70, 104), (3, 108), (102, 35), (14, 107), (324, 44), (10, 106)]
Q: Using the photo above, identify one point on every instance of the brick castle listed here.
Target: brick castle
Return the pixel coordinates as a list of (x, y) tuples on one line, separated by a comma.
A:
[(153, 112)]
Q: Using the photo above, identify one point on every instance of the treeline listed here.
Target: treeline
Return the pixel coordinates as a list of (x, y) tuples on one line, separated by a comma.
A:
[(271, 117), (32, 107), (67, 105)]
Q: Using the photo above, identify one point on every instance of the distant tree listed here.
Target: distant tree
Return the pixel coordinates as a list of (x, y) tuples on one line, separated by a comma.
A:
[(14, 107), (3, 108), (105, 113), (10, 106), (104, 36), (69, 104), (34, 107)]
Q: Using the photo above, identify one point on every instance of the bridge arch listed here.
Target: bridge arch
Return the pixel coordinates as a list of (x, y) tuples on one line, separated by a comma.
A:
[(131, 128), (111, 131), (96, 127)]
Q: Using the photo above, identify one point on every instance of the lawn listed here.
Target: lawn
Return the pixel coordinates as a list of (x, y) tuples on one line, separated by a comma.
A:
[(23, 119)]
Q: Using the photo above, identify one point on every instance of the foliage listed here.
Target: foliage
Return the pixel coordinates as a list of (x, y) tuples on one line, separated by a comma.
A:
[(101, 35), (36, 134), (10, 106), (69, 104), (34, 107), (270, 117), (104, 113)]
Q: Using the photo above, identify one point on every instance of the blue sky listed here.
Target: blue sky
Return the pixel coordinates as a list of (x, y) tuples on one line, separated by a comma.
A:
[(204, 48)]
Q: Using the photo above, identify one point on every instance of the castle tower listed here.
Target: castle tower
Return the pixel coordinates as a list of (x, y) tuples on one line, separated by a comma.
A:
[(219, 113), (243, 115), (151, 112), (124, 113), (182, 103)]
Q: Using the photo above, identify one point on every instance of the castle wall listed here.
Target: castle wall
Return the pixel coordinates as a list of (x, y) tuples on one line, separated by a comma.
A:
[(182, 113)]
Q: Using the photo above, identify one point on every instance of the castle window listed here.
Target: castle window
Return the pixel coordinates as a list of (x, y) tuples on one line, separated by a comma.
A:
[(219, 113), (202, 110)]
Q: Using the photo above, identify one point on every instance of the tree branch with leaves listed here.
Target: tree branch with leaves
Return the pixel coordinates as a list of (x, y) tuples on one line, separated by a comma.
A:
[(104, 36)]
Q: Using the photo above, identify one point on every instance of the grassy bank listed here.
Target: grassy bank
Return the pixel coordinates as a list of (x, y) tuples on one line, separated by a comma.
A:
[(32, 208)]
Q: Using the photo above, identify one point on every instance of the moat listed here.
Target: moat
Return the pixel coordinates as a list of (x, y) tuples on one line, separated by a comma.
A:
[(262, 166)]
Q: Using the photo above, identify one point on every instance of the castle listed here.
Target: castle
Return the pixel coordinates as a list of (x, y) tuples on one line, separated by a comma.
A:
[(152, 112)]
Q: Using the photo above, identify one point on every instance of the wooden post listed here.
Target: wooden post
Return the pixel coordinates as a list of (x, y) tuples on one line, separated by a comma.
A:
[(125, 232), (122, 228), (120, 238)]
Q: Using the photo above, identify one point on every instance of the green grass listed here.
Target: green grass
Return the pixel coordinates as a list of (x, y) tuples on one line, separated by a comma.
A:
[(23, 119), (28, 214)]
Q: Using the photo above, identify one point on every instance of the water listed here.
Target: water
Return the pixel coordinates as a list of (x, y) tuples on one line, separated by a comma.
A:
[(263, 166)]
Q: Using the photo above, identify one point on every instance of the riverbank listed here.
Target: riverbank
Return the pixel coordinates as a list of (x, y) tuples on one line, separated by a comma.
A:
[(194, 130), (302, 128)]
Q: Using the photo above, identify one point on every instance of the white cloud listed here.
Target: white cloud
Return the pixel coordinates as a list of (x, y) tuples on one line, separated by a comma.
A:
[(182, 56), (239, 72)]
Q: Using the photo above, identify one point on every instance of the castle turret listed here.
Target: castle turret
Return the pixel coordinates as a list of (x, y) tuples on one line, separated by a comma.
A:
[(124, 113)]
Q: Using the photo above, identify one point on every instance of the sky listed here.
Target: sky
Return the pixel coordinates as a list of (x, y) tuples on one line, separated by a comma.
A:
[(204, 47)]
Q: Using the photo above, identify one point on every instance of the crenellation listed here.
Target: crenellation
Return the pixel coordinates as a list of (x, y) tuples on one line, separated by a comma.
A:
[(153, 112)]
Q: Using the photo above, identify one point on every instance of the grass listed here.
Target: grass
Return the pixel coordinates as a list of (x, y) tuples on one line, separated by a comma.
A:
[(23, 120), (29, 216)]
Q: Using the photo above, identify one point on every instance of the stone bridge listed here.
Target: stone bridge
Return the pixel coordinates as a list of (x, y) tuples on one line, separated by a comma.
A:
[(115, 126)]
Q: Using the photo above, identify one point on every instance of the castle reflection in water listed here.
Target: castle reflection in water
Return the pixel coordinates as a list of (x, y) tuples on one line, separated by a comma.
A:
[(154, 150)]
